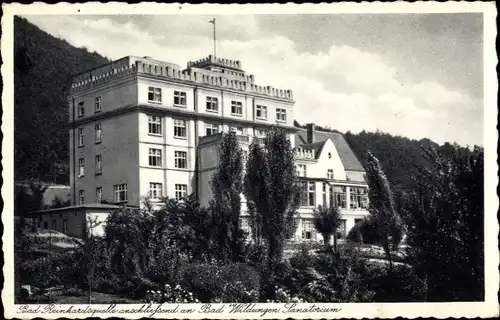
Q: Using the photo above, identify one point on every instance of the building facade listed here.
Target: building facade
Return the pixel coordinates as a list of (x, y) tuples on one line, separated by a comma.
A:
[(146, 128)]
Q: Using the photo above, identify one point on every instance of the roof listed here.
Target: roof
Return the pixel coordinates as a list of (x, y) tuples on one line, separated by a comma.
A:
[(347, 156)]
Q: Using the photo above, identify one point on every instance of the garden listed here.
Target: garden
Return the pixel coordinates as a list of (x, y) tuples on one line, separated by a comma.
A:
[(186, 253)]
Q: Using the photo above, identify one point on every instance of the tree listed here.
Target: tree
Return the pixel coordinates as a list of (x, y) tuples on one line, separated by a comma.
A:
[(445, 218), (227, 186), (272, 188), (29, 198), (382, 208), (326, 221)]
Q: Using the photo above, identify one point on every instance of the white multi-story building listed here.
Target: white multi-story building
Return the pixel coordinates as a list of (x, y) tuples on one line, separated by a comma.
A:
[(141, 127)]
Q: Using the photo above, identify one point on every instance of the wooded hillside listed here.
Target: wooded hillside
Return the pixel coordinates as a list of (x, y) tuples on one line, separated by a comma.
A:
[(43, 66)]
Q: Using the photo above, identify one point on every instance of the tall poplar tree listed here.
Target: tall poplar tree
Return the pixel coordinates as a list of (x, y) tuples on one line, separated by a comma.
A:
[(382, 208), (227, 187), (271, 188)]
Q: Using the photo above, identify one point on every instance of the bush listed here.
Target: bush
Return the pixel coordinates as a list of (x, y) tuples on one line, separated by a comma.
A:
[(170, 294), (75, 292), (399, 285), (216, 282), (364, 231), (138, 287)]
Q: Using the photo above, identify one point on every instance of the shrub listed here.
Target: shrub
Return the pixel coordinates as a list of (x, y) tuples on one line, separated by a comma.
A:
[(364, 231), (284, 296), (216, 282), (170, 294), (74, 292)]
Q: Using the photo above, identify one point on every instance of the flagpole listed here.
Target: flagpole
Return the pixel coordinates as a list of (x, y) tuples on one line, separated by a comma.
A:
[(215, 47)]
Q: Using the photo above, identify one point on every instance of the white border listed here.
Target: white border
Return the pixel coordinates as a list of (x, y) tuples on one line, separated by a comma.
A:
[(489, 308)]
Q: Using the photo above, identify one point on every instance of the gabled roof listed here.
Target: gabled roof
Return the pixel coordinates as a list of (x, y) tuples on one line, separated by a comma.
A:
[(347, 156)]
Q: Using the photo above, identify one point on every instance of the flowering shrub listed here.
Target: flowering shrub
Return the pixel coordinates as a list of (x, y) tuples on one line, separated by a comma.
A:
[(170, 295), (218, 282), (284, 296)]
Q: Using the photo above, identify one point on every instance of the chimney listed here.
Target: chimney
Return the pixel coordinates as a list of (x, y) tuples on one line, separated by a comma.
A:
[(310, 132)]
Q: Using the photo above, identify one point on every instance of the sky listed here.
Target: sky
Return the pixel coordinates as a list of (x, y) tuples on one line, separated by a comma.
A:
[(415, 75)]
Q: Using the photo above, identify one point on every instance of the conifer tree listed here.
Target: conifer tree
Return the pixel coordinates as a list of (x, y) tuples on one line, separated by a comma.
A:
[(272, 188), (227, 187), (382, 208)]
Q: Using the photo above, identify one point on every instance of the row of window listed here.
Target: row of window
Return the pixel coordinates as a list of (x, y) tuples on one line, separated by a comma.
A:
[(155, 158), (212, 104), (334, 196), (180, 99), (97, 135), (64, 228), (97, 107), (120, 192), (155, 128), (97, 166), (302, 171)]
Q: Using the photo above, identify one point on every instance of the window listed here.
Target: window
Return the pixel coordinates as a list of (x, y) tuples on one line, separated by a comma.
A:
[(155, 190), (212, 104), (98, 194), (307, 228), (281, 115), (180, 128), (65, 226), (81, 137), (98, 133), (358, 198), (54, 225), (97, 105), (120, 192), (155, 157), (180, 159), (236, 107), (261, 112), (301, 170), (154, 94), (329, 174), (311, 194), (81, 197), (98, 164), (81, 167), (325, 203), (339, 196), (308, 194), (211, 128), (179, 98), (180, 191), (154, 124), (46, 225), (331, 201), (81, 109)]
